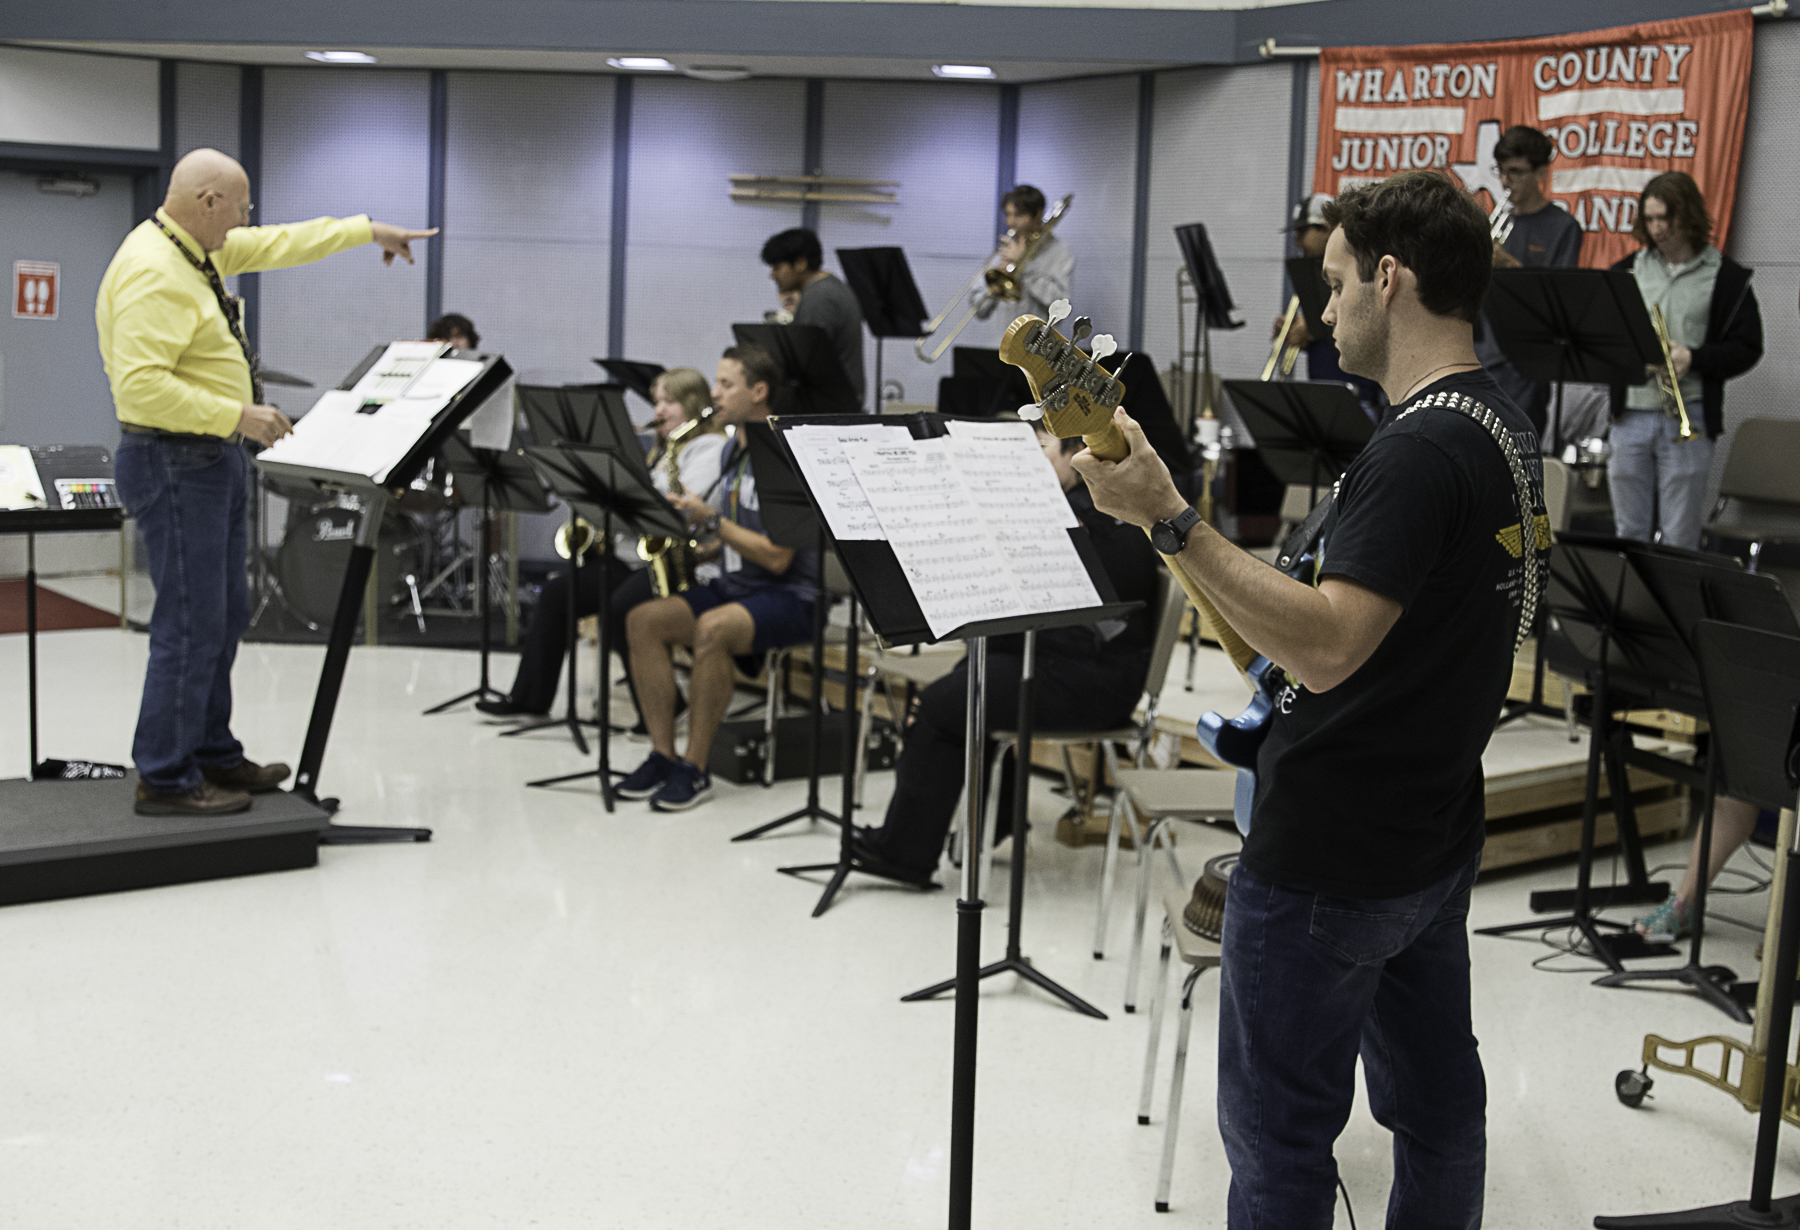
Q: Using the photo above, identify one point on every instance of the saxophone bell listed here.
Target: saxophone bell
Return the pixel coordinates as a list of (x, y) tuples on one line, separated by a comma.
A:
[(575, 537)]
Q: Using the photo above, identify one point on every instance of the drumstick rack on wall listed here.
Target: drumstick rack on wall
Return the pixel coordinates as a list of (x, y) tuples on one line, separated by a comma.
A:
[(813, 188)]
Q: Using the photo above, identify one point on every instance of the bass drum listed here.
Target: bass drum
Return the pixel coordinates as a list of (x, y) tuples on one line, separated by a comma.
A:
[(315, 552)]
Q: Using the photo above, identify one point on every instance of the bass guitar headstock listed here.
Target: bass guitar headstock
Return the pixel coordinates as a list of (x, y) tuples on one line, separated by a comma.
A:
[(1075, 396)]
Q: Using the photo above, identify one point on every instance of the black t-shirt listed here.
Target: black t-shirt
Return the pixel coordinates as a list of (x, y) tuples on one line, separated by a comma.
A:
[(1374, 788)]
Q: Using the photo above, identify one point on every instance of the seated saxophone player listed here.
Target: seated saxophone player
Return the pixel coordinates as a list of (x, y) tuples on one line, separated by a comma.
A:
[(680, 395), (1087, 679), (1715, 333), (187, 393), (1046, 277), (763, 600)]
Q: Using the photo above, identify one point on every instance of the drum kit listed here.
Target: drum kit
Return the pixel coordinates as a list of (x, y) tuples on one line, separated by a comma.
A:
[(425, 559)]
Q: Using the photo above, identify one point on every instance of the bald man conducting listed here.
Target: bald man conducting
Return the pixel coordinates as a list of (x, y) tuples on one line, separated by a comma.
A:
[(186, 392)]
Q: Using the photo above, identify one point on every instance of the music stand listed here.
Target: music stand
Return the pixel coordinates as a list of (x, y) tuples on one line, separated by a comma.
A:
[(1616, 635), (591, 415), (638, 377), (500, 481), (813, 379), (1584, 325), (1693, 588), (599, 480), (1752, 680), (884, 288), (879, 581), (1214, 309), (789, 521), (1307, 431)]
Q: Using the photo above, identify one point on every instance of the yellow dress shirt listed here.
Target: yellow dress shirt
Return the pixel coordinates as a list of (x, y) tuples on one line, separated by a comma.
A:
[(166, 344)]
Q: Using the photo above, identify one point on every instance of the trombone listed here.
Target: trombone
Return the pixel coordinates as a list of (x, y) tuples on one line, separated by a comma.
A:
[(1002, 284), (1282, 355), (1666, 382)]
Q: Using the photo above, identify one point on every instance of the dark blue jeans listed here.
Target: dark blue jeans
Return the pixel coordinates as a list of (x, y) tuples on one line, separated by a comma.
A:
[(1309, 982), (188, 497)]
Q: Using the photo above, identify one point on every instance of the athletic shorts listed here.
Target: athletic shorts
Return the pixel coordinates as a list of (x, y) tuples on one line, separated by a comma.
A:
[(781, 616)]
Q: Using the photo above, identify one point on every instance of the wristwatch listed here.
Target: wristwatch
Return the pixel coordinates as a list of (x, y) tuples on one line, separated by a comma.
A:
[(1168, 537)]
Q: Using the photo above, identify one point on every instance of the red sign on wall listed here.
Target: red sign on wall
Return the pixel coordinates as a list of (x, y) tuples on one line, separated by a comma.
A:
[(34, 289)]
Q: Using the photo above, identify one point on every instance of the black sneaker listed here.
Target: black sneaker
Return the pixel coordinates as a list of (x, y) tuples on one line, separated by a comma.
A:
[(646, 779), (866, 850), (688, 786)]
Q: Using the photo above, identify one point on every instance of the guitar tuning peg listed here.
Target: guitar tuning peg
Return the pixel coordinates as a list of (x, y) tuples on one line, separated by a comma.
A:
[(1081, 328), (1059, 311), (1031, 412), (1104, 345)]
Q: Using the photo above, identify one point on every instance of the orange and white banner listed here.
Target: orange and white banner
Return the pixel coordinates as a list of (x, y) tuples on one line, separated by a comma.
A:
[(1620, 106)]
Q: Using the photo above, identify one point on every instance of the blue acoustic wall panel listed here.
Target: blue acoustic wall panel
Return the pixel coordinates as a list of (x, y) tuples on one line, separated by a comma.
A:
[(1220, 156), (941, 142), (527, 207), (1312, 124), (206, 107), (1081, 137), (692, 265), (342, 142), (1762, 236)]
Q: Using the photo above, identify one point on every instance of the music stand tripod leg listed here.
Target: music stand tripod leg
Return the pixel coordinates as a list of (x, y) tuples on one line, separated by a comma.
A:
[(603, 770), (1015, 961), (484, 689), (569, 718)]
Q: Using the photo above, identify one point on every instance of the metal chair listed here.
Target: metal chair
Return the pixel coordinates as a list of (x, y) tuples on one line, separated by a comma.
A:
[(1148, 800), (1171, 602), (1199, 955), (1757, 490)]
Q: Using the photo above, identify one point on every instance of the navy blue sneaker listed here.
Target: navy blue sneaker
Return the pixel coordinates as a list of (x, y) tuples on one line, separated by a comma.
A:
[(647, 778), (688, 785)]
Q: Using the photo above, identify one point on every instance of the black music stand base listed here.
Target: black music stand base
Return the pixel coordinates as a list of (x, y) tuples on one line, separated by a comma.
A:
[(603, 770), (483, 690), (1015, 961), (569, 717), (331, 682), (813, 810)]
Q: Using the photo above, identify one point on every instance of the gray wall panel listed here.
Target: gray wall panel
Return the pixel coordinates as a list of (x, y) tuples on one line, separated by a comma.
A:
[(692, 267), (943, 147), (1081, 137), (527, 212), (340, 143), (206, 107), (1762, 235), (1220, 157)]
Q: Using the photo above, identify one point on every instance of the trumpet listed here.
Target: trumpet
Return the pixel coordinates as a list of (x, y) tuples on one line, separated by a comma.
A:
[(1282, 355), (1667, 384), (1001, 283), (575, 537)]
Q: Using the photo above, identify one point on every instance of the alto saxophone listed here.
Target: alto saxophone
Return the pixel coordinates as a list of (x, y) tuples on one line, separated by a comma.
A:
[(673, 561)]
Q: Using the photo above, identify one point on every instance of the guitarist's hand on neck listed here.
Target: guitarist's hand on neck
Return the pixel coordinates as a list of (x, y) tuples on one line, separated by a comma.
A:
[(1321, 636)]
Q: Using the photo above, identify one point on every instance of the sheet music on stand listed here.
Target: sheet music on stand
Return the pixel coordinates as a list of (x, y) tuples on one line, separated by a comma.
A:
[(969, 511), (372, 424)]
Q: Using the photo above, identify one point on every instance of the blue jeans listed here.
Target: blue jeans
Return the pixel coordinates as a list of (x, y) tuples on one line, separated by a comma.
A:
[(1310, 981), (188, 496), (1657, 482)]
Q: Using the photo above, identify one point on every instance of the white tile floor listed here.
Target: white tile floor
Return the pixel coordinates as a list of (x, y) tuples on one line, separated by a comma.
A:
[(553, 1017)]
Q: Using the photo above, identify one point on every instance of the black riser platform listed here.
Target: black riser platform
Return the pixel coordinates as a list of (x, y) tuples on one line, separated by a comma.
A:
[(113, 873)]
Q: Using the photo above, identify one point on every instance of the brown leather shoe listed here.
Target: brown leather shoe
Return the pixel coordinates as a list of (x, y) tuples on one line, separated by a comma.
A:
[(208, 800), (250, 776)]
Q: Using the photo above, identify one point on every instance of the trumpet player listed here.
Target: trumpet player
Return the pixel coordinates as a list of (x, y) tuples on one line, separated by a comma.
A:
[(1050, 272), (680, 395), (1310, 234), (1714, 332), (1540, 236)]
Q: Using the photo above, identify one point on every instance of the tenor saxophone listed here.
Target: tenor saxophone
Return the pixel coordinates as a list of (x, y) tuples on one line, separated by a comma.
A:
[(673, 561)]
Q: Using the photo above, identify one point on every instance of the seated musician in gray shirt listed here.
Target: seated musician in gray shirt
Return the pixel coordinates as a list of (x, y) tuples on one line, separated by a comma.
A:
[(794, 259)]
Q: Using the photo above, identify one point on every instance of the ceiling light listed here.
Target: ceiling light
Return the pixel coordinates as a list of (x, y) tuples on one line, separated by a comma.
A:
[(967, 72), (341, 57), (641, 64), (717, 72)]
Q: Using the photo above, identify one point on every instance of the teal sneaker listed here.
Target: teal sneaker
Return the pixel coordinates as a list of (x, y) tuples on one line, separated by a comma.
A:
[(1667, 924)]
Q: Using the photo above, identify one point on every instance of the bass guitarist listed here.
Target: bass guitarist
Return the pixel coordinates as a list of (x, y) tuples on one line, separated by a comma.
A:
[(1345, 923)]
